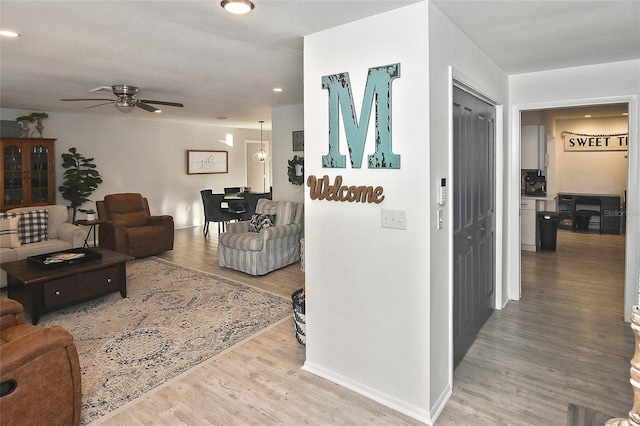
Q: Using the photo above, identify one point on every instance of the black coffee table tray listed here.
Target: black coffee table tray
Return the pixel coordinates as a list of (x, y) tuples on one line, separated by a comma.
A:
[(43, 261)]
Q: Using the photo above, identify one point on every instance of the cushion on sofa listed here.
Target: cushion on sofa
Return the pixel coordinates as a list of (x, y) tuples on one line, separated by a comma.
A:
[(260, 221), (284, 211), (250, 241), (32, 225), (133, 219), (9, 233)]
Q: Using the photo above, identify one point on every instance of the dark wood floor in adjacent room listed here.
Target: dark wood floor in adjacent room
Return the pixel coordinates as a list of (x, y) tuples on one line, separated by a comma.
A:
[(564, 342)]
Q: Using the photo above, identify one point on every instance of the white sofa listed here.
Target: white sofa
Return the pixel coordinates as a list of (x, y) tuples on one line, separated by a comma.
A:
[(61, 234)]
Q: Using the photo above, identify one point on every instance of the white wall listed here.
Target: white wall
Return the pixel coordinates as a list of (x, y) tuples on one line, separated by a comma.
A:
[(594, 172), (286, 119), (596, 84), (449, 47), (147, 156), (368, 287)]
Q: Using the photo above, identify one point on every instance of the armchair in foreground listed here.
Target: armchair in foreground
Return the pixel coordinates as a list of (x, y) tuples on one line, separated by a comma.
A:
[(257, 249), (129, 228), (39, 372)]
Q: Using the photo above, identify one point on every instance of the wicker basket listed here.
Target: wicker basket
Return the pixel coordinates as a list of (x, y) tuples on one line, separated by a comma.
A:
[(298, 316)]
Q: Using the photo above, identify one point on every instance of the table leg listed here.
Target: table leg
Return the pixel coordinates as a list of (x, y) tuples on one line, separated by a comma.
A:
[(123, 280)]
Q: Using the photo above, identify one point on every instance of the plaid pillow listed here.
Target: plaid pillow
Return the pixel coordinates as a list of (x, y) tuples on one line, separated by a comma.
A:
[(32, 226), (9, 233), (259, 221)]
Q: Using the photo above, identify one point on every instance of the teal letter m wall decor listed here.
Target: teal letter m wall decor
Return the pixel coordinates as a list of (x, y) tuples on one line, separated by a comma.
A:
[(378, 87)]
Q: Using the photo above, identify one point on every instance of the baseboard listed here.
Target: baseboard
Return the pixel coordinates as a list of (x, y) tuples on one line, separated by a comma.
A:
[(441, 402), (412, 411)]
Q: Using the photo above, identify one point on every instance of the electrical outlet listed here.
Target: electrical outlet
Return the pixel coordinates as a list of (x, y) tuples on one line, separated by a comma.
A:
[(188, 208), (394, 219)]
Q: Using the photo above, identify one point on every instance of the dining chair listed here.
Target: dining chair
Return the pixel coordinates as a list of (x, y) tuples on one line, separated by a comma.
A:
[(251, 200), (584, 209), (214, 212)]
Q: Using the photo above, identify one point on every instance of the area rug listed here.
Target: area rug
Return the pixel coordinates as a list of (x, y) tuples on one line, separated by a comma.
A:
[(173, 319)]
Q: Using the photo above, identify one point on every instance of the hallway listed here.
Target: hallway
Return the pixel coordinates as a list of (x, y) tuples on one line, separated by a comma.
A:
[(564, 342)]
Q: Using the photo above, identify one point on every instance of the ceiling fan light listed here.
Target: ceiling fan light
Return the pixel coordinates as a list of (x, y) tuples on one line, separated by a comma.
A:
[(125, 105), (237, 7)]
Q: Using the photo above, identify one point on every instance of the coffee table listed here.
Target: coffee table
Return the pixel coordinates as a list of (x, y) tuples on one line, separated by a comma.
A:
[(41, 290)]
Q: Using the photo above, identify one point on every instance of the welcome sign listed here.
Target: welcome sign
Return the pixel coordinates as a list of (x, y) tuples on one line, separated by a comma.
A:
[(586, 142), (378, 97)]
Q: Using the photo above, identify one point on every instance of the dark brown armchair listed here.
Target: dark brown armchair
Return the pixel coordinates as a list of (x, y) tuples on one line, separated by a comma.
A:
[(39, 372), (130, 228)]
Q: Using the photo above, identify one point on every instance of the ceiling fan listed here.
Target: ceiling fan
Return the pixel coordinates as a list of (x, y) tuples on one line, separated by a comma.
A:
[(126, 99)]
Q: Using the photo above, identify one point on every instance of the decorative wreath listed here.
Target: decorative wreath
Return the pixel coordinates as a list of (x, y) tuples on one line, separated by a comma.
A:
[(291, 170)]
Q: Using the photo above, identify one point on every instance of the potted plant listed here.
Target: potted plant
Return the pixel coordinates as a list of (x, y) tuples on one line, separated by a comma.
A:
[(25, 120), (91, 213), (80, 179), (38, 117)]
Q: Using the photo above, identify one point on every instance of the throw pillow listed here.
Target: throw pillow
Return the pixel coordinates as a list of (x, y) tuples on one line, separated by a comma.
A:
[(260, 221), (9, 233), (32, 226)]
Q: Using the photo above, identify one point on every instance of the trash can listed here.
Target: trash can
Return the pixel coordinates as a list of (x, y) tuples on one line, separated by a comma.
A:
[(548, 230)]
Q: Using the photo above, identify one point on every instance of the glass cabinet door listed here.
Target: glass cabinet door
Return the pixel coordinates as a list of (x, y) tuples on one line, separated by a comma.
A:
[(39, 174), (12, 175)]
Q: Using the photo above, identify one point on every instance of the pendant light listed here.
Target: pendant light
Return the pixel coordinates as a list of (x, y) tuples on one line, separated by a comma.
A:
[(261, 156)]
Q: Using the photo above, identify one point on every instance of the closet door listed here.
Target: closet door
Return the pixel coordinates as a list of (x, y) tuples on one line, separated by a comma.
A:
[(474, 220)]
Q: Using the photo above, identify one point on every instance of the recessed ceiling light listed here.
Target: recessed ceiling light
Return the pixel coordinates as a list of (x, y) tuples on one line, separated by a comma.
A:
[(625, 113), (238, 7), (587, 116), (10, 34), (277, 89)]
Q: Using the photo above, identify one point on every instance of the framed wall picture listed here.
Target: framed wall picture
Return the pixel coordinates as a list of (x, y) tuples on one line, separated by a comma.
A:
[(205, 162), (298, 140)]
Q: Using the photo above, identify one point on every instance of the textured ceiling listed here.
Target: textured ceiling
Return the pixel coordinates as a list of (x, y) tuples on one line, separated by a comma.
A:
[(217, 64), (222, 65), (526, 36)]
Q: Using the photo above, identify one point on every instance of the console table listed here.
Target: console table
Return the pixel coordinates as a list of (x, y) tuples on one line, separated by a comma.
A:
[(610, 211)]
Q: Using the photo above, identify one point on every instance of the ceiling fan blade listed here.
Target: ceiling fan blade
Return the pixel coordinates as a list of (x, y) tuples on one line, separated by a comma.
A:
[(146, 107), (173, 104), (106, 103), (102, 89), (88, 99)]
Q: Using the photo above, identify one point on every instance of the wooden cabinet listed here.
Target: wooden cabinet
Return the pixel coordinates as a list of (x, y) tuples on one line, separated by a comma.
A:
[(528, 232), (27, 172), (532, 147)]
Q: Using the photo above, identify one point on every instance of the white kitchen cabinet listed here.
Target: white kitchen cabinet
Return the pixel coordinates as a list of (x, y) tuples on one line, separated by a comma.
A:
[(528, 224), (532, 147)]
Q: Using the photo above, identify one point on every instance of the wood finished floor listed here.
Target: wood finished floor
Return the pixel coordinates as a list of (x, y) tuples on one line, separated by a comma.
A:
[(564, 342)]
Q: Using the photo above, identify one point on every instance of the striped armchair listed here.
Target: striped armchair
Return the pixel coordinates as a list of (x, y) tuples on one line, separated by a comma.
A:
[(273, 247)]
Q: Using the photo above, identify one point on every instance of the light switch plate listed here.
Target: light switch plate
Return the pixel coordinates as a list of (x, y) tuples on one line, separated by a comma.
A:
[(394, 219)]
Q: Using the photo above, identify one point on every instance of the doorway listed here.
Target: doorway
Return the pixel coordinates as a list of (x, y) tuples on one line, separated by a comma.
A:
[(630, 103), (570, 170)]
